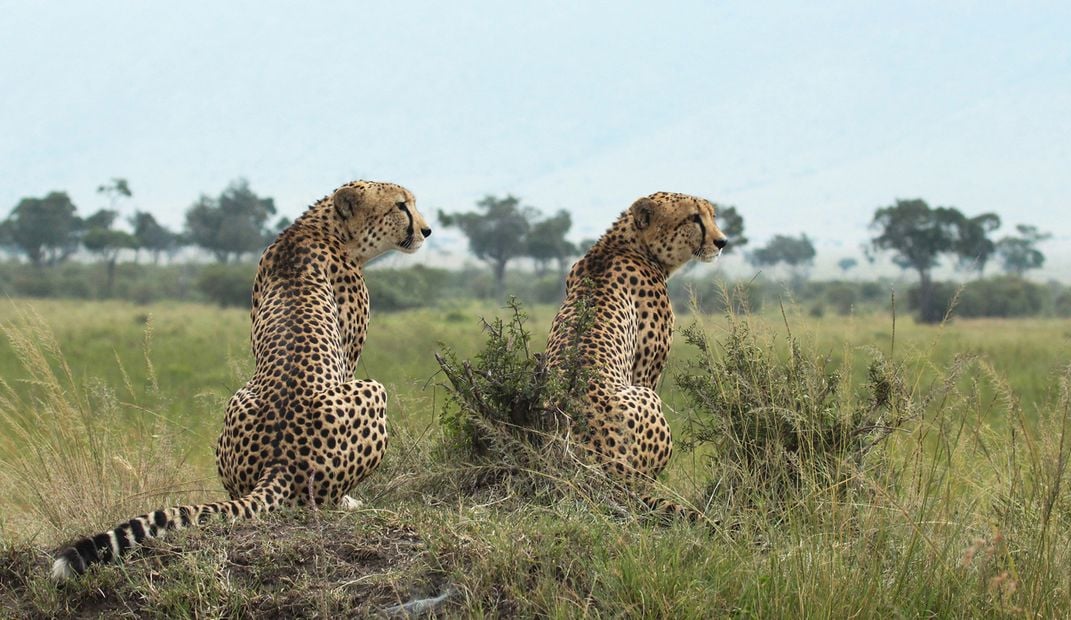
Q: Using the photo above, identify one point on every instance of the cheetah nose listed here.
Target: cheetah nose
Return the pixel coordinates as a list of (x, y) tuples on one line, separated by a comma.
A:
[(721, 243), (426, 232)]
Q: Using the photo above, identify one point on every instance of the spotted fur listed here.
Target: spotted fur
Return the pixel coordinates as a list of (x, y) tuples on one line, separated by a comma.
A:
[(623, 280), (302, 430)]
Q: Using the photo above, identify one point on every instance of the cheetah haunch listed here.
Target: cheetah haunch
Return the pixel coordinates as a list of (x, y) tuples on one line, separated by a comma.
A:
[(302, 430)]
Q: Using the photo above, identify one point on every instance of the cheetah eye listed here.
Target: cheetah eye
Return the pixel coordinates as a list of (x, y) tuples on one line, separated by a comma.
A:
[(698, 219), (400, 205)]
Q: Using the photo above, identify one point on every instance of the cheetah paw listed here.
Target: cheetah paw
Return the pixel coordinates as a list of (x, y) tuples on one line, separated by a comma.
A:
[(349, 504)]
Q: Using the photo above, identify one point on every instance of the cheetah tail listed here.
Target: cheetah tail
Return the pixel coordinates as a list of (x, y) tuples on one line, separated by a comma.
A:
[(74, 559), (668, 511)]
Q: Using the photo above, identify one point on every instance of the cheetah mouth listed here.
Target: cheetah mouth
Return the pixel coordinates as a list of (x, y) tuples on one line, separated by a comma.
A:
[(410, 244), (707, 255)]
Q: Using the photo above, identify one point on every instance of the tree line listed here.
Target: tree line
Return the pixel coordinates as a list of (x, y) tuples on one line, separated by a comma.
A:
[(49, 230), (239, 223)]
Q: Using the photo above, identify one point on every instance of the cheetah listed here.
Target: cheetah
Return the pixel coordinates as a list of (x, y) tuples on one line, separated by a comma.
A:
[(622, 279), (302, 430)]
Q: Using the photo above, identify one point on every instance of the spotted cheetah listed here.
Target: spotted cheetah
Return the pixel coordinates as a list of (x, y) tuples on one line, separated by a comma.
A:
[(622, 278), (302, 430)]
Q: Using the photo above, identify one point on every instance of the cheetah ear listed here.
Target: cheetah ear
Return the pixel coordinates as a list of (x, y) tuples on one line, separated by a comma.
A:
[(346, 200), (642, 210)]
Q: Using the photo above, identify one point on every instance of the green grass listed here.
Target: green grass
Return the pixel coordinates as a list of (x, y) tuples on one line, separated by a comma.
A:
[(965, 513), (201, 353)]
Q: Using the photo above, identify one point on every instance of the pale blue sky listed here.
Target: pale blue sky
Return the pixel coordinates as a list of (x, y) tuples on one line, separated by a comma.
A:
[(807, 116)]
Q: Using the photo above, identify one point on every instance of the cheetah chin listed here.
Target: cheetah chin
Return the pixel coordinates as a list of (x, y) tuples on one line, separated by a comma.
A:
[(711, 258)]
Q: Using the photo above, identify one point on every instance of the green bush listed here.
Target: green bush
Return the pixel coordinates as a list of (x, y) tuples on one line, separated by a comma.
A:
[(528, 288), (875, 292), (842, 297), (715, 296), (507, 393), (139, 283), (1002, 297), (549, 289), (227, 285), (1062, 304), (401, 289), (778, 423), (149, 283), (30, 282)]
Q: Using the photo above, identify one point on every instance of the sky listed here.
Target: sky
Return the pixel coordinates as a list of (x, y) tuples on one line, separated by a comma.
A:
[(805, 116)]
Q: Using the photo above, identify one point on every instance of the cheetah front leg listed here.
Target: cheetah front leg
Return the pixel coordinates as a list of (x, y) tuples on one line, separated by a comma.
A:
[(347, 437)]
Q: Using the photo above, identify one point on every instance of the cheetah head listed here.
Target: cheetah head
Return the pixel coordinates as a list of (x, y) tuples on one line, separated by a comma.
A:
[(379, 217), (676, 228)]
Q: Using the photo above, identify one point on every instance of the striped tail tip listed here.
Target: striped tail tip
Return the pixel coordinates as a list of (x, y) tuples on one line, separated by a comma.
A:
[(68, 565)]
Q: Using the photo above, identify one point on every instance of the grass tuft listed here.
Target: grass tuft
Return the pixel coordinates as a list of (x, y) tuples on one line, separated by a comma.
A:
[(75, 454), (776, 421), (508, 415)]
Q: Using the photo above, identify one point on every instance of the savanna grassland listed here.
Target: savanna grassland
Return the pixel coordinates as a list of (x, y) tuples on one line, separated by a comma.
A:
[(961, 508)]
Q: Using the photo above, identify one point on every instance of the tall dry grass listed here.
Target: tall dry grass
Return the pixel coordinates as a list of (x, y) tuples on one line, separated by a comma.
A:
[(77, 454)]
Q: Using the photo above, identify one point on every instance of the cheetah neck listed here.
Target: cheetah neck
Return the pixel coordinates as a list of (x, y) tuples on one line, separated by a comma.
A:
[(621, 240), (319, 220)]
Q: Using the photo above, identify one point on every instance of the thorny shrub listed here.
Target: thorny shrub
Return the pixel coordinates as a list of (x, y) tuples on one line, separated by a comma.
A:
[(773, 422), (507, 394)]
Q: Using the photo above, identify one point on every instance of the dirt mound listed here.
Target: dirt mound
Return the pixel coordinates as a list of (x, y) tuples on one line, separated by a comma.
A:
[(294, 565)]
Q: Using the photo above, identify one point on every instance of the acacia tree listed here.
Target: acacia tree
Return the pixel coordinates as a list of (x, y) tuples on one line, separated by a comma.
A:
[(847, 263), (153, 236), (918, 235), (7, 242), (547, 242), (497, 232), (231, 225), (280, 225), (975, 248), (115, 190), (106, 242), (796, 252), (44, 229), (1020, 254)]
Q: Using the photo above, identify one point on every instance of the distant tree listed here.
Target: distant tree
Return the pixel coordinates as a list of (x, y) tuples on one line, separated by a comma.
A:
[(281, 224), (497, 232), (796, 252), (918, 235), (547, 242), (102, 219), (231, 225), (975, 248), (153, 236), (732, 224), (847, 263), (106, 242), (115, 190), (7, 240), (1020, 254), (869, 253), (585, 244), (44, 229)]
